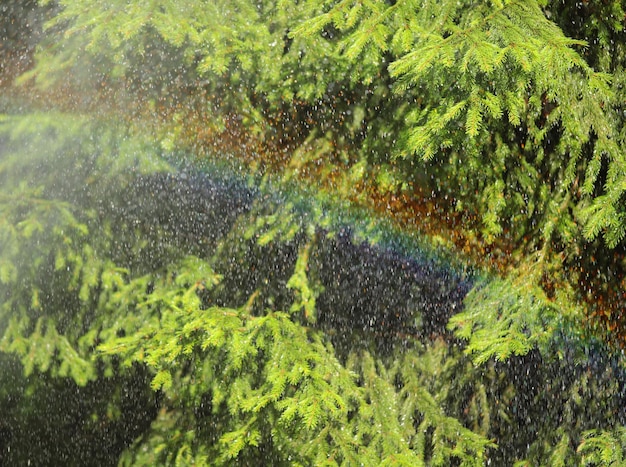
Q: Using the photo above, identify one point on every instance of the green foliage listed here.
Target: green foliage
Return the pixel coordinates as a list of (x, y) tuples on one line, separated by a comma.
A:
[(503, 319), (218, 47), (44, 236), (237, 384), (299, 282), (443, 436), (244, 383), (488, 99), (268, 371), (495, 70), (514, 315), (263, 369), (567, 443), (603, 447), (511, 109)]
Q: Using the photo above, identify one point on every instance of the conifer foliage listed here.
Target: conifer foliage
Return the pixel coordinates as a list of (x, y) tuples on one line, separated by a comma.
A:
[(508, 109), (238, 383)]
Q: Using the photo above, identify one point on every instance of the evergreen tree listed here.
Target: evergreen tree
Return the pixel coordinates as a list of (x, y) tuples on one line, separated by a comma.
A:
[(510, 110)]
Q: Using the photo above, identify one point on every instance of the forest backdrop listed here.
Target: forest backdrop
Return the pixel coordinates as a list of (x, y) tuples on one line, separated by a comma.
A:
[(494, 130)]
